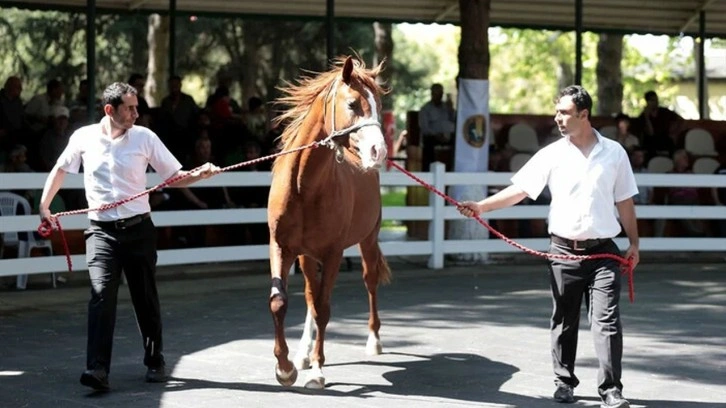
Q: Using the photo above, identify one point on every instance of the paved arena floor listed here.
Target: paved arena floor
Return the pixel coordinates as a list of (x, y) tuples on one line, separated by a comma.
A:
[(459, 337)]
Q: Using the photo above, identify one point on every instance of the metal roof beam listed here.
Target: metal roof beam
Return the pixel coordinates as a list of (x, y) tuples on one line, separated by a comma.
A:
[(133, 5), (695, 15), (445, 13)]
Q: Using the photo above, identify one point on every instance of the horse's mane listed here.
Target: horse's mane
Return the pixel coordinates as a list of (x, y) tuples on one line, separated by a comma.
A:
[(298, 98)]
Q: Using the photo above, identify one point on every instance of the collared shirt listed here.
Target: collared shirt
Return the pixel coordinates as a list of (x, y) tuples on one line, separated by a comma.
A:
[(584, 189), (115, 169), (434, 119)]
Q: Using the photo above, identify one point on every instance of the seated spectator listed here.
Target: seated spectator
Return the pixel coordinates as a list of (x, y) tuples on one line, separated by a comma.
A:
[(55, 138), (637, 162), (719, 198), (660, 126), (684, 195), (256, 119), (17, 163), (623, 135), (138, 82), (12, 115)]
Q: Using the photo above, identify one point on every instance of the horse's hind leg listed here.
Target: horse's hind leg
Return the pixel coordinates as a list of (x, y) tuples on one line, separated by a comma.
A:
[(302, 357), (375, 271), (280, 263)]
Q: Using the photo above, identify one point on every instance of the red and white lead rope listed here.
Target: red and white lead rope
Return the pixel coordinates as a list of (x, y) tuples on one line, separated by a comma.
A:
[(46, 228), (627, 264)]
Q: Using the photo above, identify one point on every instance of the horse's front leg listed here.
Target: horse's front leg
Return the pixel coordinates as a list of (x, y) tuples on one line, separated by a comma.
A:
[(321, 314), (310, 270), (280, 263), (375, 271)]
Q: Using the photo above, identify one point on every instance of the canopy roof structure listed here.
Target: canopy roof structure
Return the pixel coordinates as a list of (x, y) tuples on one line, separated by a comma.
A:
[(670, 17)]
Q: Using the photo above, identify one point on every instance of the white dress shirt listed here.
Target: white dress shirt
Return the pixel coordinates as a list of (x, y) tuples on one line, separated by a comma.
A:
[(584, 189), (115, 169)]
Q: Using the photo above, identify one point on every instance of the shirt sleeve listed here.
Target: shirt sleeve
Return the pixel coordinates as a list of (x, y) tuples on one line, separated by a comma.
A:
[(533, 176), (71, 159), (160, 158), (625, 185)]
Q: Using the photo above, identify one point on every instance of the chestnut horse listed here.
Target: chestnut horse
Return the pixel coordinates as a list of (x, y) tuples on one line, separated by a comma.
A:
[(323, 200)]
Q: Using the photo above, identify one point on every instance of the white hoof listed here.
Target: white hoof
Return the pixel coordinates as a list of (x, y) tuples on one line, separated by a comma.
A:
[(302, 362), (315, 380), (285, 379), (373, 346)]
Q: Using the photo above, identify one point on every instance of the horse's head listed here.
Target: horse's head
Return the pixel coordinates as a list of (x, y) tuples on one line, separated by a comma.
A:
[(352, 114)]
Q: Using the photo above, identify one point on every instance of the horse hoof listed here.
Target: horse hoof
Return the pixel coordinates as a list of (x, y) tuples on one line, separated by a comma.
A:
[(302, 363), (285, 379), (374, 347), (315, 383)]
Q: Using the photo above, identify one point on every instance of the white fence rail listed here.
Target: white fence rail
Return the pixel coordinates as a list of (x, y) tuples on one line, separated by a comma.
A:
[(436, 212)]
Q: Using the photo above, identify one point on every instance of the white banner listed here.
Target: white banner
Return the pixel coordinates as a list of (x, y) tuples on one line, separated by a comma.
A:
[(473, 137)]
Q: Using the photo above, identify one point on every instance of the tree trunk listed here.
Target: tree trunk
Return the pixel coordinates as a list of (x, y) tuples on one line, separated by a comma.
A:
[(609, 74), (250, 62), (384, 53), (139, 46), (473, 65), (474, 46), (158, 40)]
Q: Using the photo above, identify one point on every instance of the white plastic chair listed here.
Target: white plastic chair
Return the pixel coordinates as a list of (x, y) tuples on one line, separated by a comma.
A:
[(8, 207), (518, 160), (609, 131), (699, 142), (705, 165), (523, 138), (660, 164)]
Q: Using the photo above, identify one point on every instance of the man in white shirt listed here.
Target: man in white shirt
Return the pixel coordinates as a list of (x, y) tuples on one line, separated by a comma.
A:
[(589, 177), (115, 155), (436, 123)]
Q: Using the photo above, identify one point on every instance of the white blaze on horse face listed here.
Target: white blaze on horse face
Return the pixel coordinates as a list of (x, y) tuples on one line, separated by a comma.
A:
[(371, 143)]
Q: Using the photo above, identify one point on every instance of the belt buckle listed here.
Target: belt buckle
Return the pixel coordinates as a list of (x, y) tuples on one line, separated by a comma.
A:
[(119, 224)]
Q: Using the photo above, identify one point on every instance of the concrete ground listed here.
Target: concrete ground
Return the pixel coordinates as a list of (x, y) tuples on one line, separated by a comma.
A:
[(462, 336)]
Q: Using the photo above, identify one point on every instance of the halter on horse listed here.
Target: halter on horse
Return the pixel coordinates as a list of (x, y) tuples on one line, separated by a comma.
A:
[(323, 201)]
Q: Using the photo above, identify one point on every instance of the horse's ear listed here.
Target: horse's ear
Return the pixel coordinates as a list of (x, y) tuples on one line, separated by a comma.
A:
[(347, 69)]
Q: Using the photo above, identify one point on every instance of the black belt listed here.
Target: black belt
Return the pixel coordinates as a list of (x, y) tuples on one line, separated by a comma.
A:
[(578, 245), (123, 223)]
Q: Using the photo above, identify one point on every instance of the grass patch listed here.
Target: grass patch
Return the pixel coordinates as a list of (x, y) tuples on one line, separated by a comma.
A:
[(394, 199)]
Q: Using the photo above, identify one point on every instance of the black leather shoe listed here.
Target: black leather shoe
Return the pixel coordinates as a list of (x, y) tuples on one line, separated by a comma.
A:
[(96, 379), (156, 374), (614, 399), (565, 394)]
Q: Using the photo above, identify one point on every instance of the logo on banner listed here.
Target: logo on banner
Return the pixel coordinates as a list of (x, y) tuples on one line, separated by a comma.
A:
[(474, 130)]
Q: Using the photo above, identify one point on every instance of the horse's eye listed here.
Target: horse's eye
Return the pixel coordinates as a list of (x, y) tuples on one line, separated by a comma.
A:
[(352, 105)]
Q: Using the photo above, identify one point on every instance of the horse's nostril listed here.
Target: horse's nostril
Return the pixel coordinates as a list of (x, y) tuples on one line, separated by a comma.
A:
[(374, 153)]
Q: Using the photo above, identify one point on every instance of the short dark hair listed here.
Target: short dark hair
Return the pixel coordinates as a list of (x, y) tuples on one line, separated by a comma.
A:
[(580, 97), (113, 93), (621, 116), (134, 77), (53, 84), (650, 94)]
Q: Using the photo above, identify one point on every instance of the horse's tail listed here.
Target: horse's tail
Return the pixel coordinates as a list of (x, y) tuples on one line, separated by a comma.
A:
[(384, 271)]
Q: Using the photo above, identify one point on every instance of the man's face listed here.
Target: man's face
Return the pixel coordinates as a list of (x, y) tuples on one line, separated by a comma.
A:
[(569, 121), (125, 114), (637, 158), (437, 93)]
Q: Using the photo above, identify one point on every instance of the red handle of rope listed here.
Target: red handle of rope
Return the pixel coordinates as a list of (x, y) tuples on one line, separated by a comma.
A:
[(627, 264)]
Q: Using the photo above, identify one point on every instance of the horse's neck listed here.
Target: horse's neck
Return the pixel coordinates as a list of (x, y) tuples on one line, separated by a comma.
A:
[(312, 167)]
